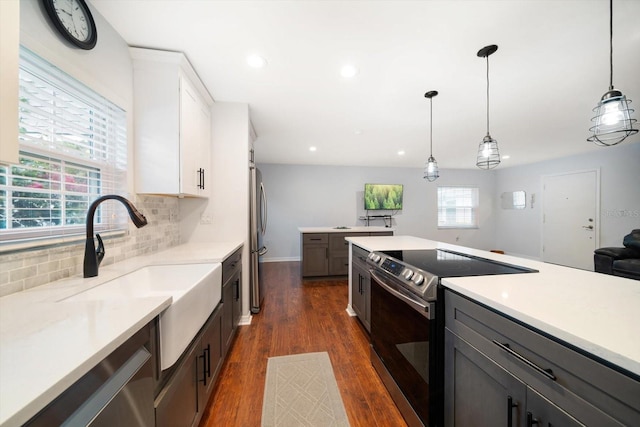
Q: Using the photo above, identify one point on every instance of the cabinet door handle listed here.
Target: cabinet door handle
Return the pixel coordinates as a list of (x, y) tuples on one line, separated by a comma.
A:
[(237, 286), (545, 372), (203, 356), (510, 406), (208, 352), (201, 178), (530, 420)]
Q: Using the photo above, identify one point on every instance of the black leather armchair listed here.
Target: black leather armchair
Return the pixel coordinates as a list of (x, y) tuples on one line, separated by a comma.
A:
[(624, 262)]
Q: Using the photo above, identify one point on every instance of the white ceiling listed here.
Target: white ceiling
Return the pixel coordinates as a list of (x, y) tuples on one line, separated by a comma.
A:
[(550, 70)]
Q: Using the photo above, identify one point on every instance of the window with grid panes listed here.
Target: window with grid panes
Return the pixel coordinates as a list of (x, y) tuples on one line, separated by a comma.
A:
[(458, 207), (73, 149)]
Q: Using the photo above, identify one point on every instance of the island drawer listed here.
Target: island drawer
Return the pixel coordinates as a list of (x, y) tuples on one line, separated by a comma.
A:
[(315, 239), (546, 364), (232, 263)]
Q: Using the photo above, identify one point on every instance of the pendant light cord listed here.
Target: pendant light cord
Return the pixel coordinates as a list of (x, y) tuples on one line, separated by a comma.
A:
[(487, 95), (430, 127), (610, 44)]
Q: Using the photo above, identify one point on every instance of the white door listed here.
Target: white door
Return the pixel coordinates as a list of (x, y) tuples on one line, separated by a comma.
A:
[(570, 222)]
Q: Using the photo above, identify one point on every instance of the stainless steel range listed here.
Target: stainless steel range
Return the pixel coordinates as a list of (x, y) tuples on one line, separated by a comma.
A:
[(407, 326)]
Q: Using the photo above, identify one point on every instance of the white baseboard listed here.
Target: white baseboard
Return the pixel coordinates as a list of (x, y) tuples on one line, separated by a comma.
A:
[(245, 319)]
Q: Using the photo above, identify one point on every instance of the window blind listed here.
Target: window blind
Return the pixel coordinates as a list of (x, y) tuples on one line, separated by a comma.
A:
[(73, 149), (457, 207)]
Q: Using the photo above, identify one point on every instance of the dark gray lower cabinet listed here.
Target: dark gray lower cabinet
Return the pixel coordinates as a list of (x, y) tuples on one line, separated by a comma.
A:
[(501, 373), (315, 254), (184, 395), (485, 394), (231, 298), (361, 286), (327, 254)]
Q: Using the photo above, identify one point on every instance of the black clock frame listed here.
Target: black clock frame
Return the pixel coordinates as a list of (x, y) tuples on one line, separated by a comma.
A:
[(88, 44)]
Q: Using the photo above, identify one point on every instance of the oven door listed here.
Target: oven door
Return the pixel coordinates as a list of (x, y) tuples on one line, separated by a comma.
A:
[(404, 349)]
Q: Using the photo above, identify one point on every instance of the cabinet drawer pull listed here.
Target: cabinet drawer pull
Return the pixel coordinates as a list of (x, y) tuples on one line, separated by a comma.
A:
[(315, 238), (546, 372), (510, 406), (530, 420)]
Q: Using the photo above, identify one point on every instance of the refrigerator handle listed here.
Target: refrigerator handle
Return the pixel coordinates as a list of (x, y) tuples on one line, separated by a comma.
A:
[(263, 209)]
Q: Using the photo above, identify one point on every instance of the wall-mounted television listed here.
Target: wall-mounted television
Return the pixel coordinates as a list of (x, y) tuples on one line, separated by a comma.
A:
[(379, 197)]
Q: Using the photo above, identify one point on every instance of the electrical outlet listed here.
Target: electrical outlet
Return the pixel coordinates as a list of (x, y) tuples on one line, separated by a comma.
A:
[(205, 218)]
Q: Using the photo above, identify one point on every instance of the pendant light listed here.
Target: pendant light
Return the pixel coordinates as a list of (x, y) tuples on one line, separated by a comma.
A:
[(612, 122), (488, 154), (431, 172)]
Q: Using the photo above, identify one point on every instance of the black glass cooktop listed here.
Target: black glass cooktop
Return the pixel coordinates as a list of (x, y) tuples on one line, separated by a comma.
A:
[(445, 263)]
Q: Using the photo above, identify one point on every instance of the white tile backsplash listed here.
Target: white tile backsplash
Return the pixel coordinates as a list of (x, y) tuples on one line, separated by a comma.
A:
[(26, 269)]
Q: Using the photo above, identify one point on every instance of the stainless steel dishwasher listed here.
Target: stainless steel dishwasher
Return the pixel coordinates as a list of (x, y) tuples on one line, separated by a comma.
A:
[(116, 392)]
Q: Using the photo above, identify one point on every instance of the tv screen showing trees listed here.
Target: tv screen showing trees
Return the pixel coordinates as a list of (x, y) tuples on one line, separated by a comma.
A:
[(382, 197)]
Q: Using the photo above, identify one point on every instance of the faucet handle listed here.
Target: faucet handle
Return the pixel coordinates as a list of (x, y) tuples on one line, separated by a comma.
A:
[(100, 250)]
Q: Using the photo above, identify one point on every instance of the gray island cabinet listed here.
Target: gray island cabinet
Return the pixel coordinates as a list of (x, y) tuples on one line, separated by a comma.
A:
[(325, 252), (361, 286), (500, 372)]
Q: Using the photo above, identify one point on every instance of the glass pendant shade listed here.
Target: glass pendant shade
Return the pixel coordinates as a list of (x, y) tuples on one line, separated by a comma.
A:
[(488, 154), (612, 122), (431, 172)]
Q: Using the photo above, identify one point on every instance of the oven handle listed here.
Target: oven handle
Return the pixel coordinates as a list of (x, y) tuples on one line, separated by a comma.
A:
[(427, 310)]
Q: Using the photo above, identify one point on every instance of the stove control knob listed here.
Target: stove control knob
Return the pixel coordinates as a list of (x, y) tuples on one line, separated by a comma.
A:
[(407, 273), (418, 279), (375, 258)]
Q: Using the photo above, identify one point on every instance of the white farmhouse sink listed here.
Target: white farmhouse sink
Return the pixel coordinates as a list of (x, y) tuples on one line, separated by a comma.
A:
[(196, 290)]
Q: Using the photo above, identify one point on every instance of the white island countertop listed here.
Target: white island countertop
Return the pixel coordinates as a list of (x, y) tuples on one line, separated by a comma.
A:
[(47, 345), (596, 313), (344, 229)]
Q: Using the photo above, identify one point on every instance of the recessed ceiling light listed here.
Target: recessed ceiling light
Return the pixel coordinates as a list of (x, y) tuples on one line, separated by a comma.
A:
[(401, 153), (312, 148), (357, 132), (348, 71), (506, 156), (256, 61)]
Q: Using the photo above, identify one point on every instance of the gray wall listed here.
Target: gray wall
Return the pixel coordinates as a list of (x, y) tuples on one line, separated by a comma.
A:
[(520, 231), (315, 196), (309, 196)]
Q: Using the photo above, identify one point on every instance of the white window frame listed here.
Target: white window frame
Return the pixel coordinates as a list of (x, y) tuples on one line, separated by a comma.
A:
[(458, 207), (73, 149)]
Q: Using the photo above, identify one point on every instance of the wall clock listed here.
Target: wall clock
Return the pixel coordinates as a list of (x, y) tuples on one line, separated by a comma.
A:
[(73, 19)]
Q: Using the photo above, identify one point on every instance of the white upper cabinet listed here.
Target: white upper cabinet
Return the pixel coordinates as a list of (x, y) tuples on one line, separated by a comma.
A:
[(172, 116)]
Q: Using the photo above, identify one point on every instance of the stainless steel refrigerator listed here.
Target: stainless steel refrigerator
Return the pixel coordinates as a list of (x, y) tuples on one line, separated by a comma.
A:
[(258, 228)]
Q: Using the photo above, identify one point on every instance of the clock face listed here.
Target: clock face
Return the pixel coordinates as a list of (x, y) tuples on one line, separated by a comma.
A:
[(73, 19)]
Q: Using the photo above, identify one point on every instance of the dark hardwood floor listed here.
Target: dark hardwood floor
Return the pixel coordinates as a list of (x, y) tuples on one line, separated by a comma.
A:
[(300, 316)]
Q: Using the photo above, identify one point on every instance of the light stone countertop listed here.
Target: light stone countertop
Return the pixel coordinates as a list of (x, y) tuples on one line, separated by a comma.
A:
[(596, 313), (349, 229), (46, 345)]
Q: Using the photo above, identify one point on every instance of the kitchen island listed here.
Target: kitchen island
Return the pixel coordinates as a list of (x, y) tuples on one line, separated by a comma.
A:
[(46, 346), (325, 252), (584, 324)]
